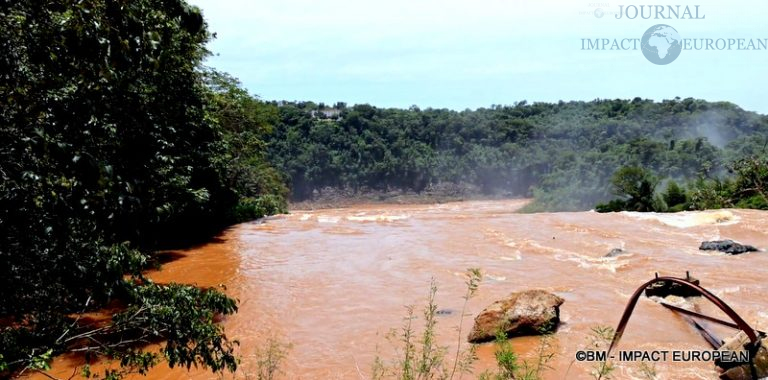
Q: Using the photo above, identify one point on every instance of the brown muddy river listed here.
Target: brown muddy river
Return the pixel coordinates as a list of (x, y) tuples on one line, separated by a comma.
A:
[(334, 282)]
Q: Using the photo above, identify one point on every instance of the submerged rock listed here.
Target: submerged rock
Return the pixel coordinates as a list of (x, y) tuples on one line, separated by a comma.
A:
[(727, 246), (616, 252), (531, 312), (665, 289)]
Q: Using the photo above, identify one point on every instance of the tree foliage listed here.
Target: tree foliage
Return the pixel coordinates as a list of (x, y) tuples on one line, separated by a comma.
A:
[(744, 189), (112, 142), (636, 186), (674, 196), (563, 154)]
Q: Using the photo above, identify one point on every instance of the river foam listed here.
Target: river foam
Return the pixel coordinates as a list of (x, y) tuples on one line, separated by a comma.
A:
[(687, 219)]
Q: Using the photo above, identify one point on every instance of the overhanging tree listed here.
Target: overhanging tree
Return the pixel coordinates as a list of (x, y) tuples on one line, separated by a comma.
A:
[(105, 146)]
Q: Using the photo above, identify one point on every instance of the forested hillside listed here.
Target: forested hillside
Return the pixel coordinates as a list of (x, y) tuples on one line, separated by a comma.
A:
[(563, 154)]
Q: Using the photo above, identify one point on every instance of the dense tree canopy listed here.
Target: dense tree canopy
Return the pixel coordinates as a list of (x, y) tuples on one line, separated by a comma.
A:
[(562, 154), (743, 188), (112, 141), (637, 185)]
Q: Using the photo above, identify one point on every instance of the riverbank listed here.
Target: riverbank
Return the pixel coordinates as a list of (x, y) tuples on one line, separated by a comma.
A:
[(330, 198)]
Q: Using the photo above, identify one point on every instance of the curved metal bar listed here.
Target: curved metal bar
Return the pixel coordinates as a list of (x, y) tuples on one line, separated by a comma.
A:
[(742, 325)]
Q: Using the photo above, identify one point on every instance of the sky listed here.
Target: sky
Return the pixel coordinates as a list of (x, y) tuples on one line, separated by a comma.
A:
[(461, 54)]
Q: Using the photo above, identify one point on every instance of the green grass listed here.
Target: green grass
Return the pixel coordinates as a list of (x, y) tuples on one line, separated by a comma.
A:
[(417, 357)]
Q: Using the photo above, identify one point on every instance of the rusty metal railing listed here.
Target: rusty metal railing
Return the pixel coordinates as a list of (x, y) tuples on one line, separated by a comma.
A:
[(738, 322)]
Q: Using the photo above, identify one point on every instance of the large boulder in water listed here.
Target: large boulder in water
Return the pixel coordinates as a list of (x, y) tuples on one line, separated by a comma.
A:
[(531, 312), (727, 246)]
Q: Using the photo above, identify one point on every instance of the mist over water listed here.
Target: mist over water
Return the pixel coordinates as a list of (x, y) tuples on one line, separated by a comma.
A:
[(712, 128)]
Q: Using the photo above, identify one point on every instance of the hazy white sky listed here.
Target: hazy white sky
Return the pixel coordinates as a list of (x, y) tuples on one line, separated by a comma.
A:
[(473, 53)]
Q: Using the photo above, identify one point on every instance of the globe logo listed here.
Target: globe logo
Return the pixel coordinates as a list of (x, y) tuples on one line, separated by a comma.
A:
[(661, 44), (599, 13)]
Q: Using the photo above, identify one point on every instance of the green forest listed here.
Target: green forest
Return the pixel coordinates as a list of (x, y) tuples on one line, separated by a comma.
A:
[(117, 142), (562, 155)]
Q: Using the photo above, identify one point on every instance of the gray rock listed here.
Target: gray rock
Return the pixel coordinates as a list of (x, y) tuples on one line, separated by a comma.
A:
[(727, 246)]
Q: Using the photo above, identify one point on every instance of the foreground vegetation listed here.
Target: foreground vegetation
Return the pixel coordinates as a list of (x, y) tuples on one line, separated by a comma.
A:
[(115, 141), (417, 355)]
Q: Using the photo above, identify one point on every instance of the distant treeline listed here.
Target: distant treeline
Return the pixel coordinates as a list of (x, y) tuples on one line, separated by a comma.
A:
[(563, 154)]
